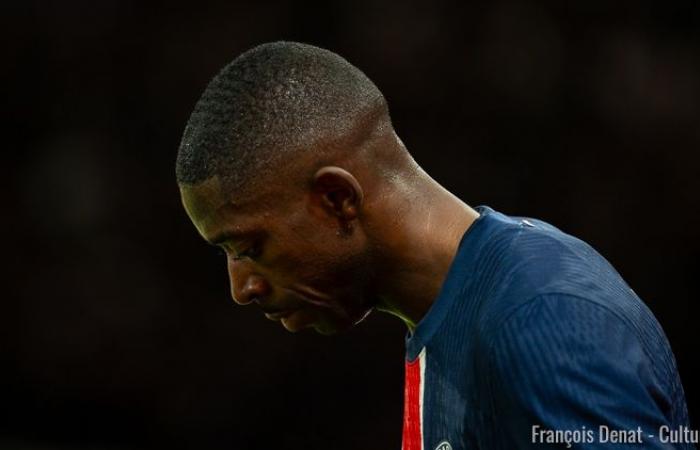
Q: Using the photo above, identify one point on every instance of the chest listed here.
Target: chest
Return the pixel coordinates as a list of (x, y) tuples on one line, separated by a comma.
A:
[(440, 410)]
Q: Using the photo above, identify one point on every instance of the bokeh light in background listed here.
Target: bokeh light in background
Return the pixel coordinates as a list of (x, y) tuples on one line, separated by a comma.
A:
[(117, 329)]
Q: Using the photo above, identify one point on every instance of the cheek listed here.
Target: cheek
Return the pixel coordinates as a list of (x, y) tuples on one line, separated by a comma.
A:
[(342, 273), (320, 261), (310, 251), (302, 247), (306, 264)]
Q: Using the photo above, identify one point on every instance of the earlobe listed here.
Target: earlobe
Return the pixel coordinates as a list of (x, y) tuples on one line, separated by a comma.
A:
[(339, 192)]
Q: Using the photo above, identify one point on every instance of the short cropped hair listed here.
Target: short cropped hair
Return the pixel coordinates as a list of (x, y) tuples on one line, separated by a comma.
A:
[(269, 105)]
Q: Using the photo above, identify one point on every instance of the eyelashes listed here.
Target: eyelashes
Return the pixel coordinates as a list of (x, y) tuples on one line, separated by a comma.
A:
[(251, 252)]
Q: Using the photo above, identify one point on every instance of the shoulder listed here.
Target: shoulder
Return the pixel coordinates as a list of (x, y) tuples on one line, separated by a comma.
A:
[(560, 339), (565, 362), (528, 258), (531, 245), (560, 312), (552, 317)]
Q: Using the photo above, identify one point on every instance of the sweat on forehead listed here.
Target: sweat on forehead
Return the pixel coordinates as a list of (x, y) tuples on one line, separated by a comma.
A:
[(272, 105)]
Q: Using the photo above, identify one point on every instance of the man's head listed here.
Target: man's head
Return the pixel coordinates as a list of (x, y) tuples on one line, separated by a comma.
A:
[(284, 153)]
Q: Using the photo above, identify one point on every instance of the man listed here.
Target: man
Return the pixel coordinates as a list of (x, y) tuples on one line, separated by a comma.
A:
[(517, 332)]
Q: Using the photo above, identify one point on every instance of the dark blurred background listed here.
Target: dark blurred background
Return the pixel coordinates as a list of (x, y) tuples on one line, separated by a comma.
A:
[(116, 327)]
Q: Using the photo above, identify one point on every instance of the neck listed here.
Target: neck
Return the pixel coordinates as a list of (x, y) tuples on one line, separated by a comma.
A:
[(418, 248)]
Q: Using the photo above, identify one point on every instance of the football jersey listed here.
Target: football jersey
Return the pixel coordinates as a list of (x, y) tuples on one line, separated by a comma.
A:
[(535, 341)]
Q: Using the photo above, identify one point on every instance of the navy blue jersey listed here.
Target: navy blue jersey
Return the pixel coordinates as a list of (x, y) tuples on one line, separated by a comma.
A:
[(535, 341)]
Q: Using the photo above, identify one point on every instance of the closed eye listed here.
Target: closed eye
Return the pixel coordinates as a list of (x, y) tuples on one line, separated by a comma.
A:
[(251, 252)]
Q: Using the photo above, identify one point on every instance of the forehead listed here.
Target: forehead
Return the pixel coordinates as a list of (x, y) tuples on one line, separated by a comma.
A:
[(213, 211)]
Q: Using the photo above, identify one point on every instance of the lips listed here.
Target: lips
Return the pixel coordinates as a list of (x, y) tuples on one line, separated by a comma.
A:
[(278, 315)]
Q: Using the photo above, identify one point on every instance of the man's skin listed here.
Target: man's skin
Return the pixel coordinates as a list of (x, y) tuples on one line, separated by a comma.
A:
[(331, 237)]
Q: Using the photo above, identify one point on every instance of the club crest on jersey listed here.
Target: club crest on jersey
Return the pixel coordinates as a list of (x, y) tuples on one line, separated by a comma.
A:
[(444, 445)]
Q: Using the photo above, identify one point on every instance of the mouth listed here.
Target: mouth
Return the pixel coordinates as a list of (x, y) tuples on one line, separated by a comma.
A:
[(279, 315)]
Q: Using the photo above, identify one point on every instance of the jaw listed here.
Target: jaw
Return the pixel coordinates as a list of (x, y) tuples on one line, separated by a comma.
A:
[(342, 324), (325, 321)]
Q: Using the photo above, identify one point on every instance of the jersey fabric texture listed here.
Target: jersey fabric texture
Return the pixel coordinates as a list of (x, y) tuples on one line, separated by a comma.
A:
[(532, 327)]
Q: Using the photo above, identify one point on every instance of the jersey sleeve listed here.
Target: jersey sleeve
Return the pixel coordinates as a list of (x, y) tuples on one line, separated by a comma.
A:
[(565, 372)]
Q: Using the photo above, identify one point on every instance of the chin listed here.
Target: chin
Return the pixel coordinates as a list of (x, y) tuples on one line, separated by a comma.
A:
[(324, 322), (330, 328), (323, 325), (326, 331), (321, 328)]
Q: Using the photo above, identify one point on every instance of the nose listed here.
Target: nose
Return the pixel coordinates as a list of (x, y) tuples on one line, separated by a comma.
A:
[(246, 286)]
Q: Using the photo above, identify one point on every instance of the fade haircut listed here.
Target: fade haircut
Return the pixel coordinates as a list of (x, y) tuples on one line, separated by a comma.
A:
[(270, 105)]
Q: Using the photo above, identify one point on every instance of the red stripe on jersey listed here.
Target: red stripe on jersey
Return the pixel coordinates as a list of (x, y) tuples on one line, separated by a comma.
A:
[(412, 438)]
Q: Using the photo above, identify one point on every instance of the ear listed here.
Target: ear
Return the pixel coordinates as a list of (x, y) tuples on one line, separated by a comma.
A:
[(337, 192)]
